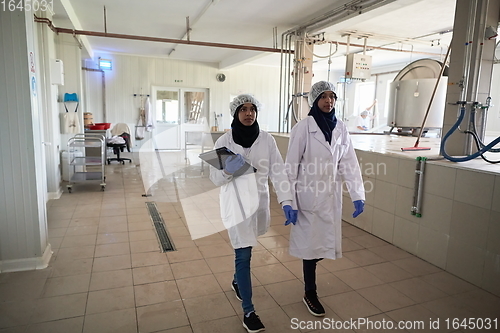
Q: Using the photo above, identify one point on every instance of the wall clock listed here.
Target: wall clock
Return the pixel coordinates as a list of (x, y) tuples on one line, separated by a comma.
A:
[(220, 77)]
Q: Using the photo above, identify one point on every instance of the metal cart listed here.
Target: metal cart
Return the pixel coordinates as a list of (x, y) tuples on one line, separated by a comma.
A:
[(93, 166)]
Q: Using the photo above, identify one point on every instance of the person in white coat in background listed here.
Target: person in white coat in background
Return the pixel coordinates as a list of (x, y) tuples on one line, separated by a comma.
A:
[(363, 122), (364, 119), (244, 199), (320, 155)]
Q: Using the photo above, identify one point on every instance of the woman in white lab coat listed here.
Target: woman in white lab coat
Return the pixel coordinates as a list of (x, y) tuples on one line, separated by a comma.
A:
[(244, 199), (320, 155)]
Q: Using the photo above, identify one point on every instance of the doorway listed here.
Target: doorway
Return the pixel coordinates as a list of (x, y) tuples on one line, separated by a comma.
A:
[(176, 111)]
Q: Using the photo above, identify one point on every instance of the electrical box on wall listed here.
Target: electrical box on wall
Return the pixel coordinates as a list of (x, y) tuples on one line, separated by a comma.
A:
[(358, 66), (56, 71)]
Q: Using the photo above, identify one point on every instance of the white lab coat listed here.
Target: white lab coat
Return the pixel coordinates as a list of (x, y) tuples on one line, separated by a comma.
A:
[(315, 171), (362, 122), (251, 219), (148, 113)]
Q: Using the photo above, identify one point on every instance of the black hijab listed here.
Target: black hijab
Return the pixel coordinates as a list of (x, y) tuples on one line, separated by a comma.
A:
[(325, 121), (243, 135)]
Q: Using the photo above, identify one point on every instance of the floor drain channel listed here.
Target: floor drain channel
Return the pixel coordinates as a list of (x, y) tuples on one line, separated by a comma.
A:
[(166, 243)]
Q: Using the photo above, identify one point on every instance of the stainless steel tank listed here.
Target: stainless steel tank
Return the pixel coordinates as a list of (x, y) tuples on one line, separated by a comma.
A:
[(410, 94)]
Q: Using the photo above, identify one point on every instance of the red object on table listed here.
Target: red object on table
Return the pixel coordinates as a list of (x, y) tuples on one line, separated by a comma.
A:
[(106, 125), (97, 127)]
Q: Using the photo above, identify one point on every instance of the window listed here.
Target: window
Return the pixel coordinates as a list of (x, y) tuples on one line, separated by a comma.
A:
[(194, 111), (167, 106), (365, 94), (181, 106)]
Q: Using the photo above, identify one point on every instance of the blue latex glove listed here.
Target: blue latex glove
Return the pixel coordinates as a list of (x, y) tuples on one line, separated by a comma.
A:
[(290, 214), (359, 206), (234, 163)]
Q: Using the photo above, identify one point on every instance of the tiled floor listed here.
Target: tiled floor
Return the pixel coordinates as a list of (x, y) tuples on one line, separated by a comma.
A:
[(108, 275)]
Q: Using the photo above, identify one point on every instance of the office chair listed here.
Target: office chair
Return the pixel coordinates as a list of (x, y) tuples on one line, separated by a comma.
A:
[(120, 147)]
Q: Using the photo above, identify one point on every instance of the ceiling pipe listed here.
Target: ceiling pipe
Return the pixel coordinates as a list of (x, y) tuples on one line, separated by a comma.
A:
[(370, 48), (46, 21), (105, 19), (156, 39), (348, 10), (196, 19), (395, 39), (80, 46)]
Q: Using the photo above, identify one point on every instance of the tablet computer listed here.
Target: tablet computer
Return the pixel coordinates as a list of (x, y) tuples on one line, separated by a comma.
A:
[(217, 158)]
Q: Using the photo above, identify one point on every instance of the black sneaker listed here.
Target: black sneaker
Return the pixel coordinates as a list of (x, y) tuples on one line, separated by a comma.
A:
[(234, 286), (313, 305), (252, 323)]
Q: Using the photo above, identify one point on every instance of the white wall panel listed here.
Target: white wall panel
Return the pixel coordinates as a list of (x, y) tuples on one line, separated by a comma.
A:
[(493, 121), (23, 222), (48, 98), (93, 95), (69, 52)]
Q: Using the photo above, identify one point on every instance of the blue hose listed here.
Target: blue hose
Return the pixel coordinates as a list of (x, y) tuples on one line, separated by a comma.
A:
[(481, 144), (466, 158)]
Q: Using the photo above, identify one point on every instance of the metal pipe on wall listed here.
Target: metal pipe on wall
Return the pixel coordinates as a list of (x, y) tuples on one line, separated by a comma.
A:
[(283, 121), (284, 82), (288, 84), (280, 111), (468, 52), (298, 78), (479, 28), (288, 66), (291, 43), (472, 66), (416, 209)]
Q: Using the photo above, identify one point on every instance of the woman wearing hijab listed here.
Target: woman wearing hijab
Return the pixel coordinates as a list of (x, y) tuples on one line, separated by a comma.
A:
[(244, 199), (320, 155)]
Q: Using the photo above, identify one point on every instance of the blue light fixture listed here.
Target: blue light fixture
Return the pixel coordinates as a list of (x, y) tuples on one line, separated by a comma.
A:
[(105, 64)]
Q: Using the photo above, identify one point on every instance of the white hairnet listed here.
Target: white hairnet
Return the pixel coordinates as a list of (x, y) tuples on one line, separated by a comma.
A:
[(317, 89), (364, 113), (242, 99)]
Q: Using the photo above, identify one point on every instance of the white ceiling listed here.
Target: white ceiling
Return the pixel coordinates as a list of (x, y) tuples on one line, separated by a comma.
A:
[(409, 25)]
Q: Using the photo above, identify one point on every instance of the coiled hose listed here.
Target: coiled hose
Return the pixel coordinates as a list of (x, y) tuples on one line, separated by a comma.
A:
[(452, 130)]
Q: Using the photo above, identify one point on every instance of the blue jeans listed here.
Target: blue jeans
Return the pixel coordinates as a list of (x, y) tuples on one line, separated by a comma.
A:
[(309, 269), (243, 278)]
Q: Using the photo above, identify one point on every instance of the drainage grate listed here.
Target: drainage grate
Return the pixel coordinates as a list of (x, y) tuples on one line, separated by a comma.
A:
[(166, 243)]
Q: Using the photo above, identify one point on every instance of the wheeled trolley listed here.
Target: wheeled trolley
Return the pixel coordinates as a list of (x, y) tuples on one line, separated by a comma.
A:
[(93, 166)]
